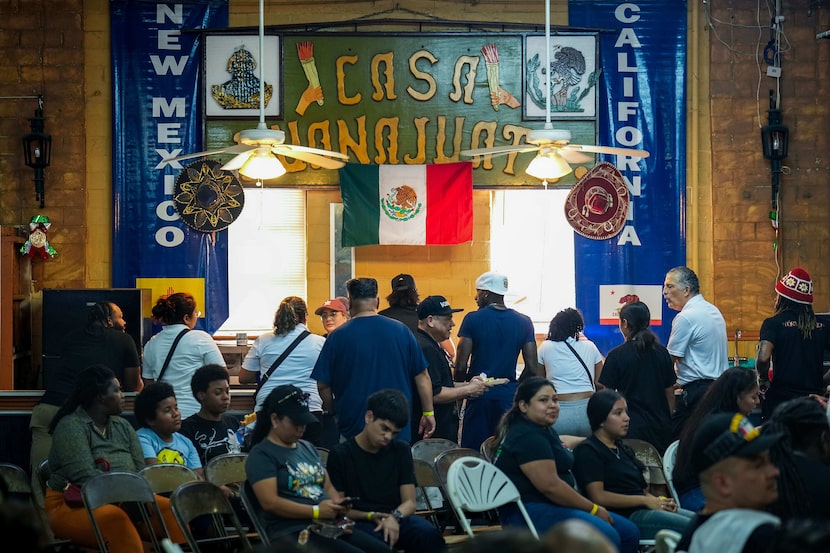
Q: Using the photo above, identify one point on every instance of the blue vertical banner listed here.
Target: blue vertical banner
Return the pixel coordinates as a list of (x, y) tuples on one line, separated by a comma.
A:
[(157, 114), (642, 105)]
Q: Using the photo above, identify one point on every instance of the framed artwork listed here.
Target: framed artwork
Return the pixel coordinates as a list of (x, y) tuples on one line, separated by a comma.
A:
[(231, 76), (342, 259), (571, 80)]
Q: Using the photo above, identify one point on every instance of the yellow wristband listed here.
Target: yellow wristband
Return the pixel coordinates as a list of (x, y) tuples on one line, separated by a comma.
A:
[(428, 413), (315, 512), (594, 509), (370, 515)]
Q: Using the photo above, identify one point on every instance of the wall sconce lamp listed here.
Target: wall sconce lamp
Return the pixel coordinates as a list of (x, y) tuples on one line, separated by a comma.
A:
[(37, 149), (775, 138)]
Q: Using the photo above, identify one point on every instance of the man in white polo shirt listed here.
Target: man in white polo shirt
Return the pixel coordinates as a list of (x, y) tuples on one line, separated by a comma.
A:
[(698, 342)]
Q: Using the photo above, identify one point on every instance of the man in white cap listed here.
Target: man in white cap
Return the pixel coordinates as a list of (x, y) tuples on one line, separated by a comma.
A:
[(795, 340), (697, 343), (489, 343)]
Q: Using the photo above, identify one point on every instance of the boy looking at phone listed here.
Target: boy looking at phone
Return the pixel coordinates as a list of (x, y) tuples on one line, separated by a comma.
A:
[(375, 471)]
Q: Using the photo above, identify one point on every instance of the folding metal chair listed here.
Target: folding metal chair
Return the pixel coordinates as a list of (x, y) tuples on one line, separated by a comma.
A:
[(488, 448), (444, 460), (199, 498), (430, 448), (123, 487), (252, 506), (475, 485), (164, 478), (226, 469), (20, 486)]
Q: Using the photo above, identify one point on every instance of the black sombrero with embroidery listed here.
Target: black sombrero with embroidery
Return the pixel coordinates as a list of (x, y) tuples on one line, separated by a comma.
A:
[(597, 205), (208, 198)]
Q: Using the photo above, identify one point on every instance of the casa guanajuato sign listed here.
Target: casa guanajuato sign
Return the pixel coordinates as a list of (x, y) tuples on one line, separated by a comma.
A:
[(402, 99)]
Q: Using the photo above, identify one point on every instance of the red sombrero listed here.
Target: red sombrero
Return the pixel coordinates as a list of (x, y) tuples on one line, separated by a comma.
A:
[(598, 203)]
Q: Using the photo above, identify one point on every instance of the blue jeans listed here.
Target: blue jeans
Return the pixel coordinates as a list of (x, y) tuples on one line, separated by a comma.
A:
[(693, 500), (624, 534), (416, 535), (650, 521)]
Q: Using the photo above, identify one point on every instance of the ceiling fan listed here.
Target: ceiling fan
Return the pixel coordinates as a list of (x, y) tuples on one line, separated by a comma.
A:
[(553, 147), (257, 149)]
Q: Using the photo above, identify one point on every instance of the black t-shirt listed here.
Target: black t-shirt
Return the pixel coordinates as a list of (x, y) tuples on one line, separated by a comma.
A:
[(105, 346), (406, 315), (211, 438), (797, 362), (595, 462), (526, 442), (816, 478), (438, 365), (374, 478), (642, 378)]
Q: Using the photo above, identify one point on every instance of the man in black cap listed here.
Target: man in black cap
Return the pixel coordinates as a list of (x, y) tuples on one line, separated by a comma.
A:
[(403, 301), (369, 353), (435, 325), (738, 480)]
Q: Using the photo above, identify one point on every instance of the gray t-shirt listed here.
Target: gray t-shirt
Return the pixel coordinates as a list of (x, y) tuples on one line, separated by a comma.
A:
[(300, 478)]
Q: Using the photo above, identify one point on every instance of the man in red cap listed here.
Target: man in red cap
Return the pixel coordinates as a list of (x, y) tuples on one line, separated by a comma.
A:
[(795, 340)]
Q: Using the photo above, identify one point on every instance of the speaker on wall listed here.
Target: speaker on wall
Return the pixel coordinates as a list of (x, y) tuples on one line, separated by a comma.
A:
[(65, 311)]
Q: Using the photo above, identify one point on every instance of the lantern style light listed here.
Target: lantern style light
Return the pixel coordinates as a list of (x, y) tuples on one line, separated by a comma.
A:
[(37, 150)]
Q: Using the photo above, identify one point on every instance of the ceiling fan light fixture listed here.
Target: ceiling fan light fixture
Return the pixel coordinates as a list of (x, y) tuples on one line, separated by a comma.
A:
[(262, 165), (548, 166)]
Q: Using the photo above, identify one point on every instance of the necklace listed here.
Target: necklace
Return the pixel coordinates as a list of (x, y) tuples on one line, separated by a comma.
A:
[(99, 430), (616, 452)]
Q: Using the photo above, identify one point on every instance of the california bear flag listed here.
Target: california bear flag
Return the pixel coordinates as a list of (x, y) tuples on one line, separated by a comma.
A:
[(407, 204)]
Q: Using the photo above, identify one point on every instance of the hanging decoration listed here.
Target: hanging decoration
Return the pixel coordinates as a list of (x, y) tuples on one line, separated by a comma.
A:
[(207, 198), (38, 243)]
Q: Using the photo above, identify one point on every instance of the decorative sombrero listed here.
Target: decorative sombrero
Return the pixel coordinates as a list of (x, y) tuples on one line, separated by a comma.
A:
[(598, 203), (208, 198)]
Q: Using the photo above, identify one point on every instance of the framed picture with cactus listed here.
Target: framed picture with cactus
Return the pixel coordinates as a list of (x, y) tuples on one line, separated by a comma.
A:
[(571, 80)]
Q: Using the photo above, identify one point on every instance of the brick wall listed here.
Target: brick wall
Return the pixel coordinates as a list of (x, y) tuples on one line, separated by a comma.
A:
[(41, 45), (744, 258)]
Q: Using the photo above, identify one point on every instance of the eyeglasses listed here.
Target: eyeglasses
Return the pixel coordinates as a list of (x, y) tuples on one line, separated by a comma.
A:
[(329, 314), (299, 395)]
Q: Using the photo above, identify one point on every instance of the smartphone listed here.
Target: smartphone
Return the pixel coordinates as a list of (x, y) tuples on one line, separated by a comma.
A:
[(349, 501)]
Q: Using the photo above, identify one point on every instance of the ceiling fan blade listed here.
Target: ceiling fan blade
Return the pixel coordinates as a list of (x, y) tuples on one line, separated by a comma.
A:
[(607, 150), (318, 151), (198, 154), (572, 156), (315, 159), (499, 150), (238, 161)]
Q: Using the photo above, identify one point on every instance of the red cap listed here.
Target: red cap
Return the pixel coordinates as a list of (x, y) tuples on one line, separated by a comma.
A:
[(333, 305)]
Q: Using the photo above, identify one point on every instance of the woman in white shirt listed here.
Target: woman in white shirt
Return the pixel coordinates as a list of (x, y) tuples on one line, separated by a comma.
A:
[(573, 364), (195, 349), (289, 324)]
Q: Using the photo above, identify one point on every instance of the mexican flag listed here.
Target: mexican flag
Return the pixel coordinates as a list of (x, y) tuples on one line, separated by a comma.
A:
[(407, 204)]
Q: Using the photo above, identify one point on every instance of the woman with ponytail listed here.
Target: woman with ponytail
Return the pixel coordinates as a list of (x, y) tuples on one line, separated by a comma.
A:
[(642, 370), (175, 353), (610, 475), (532, 455), (291, 336)]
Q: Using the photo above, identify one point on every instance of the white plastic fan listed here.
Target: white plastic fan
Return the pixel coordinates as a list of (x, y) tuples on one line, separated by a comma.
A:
[(257, 149), (553, 147)]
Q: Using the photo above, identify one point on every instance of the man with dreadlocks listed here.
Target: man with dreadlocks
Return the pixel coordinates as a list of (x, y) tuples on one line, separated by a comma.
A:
[(803, 459), (795, 339)]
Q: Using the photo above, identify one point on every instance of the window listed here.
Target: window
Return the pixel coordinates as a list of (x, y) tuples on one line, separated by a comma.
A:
[(533, 244), (267, 246)]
